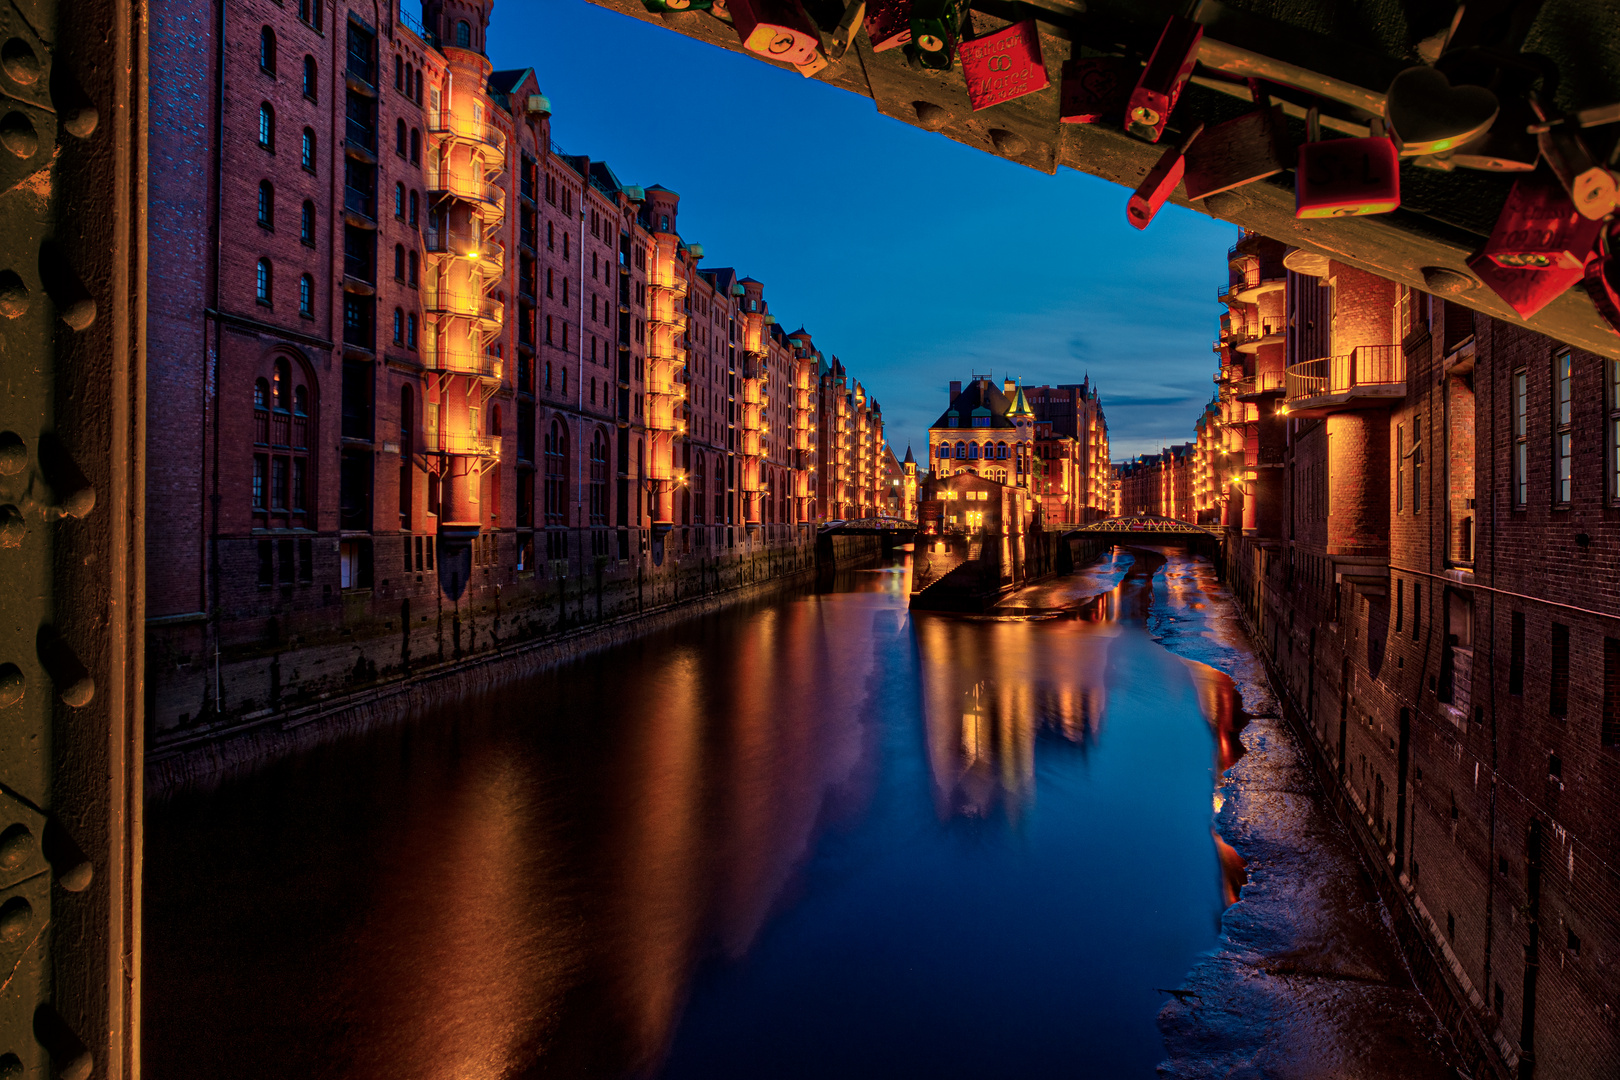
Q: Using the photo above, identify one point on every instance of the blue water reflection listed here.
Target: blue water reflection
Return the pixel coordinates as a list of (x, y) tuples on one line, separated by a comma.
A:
[(815, 837)]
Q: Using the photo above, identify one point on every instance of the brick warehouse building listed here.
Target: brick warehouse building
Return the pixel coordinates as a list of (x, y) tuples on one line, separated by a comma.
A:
[(421, 382), (1422, 512)]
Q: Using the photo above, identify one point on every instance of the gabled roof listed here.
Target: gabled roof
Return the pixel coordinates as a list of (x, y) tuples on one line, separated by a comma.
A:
[(980, 393), (504, 82)]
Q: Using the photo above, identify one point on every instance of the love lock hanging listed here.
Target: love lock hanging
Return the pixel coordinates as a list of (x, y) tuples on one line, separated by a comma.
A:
[(936, 29), (1603, 278), (664, 7), (1239, 151), (1004, 65), (778, 30), (888, 23), (1427, 115), (1161, 180), (1505, 146), (1539, 228), (1591, 187), (1163, 79), (1094, 89), (1345, 177)]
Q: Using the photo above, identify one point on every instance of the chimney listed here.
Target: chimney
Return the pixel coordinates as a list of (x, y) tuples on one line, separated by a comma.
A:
[(956, 389), (1008, 386)]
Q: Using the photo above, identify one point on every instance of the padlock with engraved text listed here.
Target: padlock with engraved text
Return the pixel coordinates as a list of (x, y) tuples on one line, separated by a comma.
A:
[(1239, 151), (936, 29), (1166, 73), (1004, 65), (776, 30), (1345, 177), (1095, 89), (1540, 229)]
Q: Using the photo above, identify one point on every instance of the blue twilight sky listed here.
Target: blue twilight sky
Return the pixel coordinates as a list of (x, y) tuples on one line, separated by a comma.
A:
[(913, 259)]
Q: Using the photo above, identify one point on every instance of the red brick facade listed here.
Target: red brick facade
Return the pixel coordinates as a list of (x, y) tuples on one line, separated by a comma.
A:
[(1442, 610), (407, 378)]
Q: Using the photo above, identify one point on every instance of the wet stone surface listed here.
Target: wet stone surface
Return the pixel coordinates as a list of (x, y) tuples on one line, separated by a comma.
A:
[(1307, 980)]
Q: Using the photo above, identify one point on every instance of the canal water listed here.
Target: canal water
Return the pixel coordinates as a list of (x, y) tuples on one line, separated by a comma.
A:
[(815, 836)]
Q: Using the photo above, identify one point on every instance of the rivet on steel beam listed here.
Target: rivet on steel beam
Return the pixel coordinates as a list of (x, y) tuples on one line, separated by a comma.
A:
[(17, 134), (73, 871), (67, 671), (13, 453), (73, 301), (1444, 281), (12, 527), (78, 113), (17, 842), (19, 62), (68, 1052), (72, 492), (930, 116), (13, 294), (16, 916)]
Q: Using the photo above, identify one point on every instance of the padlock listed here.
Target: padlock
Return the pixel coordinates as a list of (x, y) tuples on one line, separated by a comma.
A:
[(1160, 181), (1237, 152), (664, 7), (888, 23), (1603, 279), (936, 28), (1094, 89), (844, 33), (1505, 146), (1167, 72), (1428, 115), (1540, 229), (1591, 187), (1526, 291), (1345, 177), (776, 30), (1004, 65)]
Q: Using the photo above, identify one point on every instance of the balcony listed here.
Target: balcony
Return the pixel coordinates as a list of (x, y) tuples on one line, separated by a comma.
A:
[(470, 189), (465, 443), (1255, 286), (489, 255), (1371, 376), (485, 138), (442, 354), (1258, 386), (462, 303), (1250, 339)]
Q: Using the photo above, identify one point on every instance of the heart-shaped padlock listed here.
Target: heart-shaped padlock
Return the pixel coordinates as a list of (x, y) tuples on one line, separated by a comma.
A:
[(1430, 116)]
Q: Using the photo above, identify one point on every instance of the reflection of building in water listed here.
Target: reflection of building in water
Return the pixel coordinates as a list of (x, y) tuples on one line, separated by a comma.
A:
[(981, 733), (1217, 700)]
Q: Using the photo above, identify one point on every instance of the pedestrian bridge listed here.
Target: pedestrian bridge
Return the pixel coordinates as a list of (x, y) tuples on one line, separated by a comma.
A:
[(1141, 528), (872, 526)]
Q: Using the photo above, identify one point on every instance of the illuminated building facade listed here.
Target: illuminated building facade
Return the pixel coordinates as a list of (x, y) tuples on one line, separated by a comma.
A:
[(1420, 507), (433, 373), (1161, 484)]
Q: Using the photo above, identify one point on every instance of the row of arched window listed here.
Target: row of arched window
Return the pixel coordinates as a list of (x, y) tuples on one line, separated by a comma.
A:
[(267, 137), (971, 451), (408, 79), (267, 214), (283, 480)]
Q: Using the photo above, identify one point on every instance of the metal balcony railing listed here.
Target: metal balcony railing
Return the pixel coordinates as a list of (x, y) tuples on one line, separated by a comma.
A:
[(474, 190), (1367, 366), (479, 134), (462, 442), (489, 255), (463, 303)]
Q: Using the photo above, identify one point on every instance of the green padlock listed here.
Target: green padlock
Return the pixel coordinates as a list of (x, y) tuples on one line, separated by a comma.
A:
[(936, 29)]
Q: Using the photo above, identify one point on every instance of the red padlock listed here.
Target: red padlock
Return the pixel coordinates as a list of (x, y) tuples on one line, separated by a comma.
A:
[(1160, 181), (1539, 229), (1346, 177), (888, 23), (1095, 88), (1167, 72), (776, 30), (1603, 280), (1240, 151), (1526, 291), (1004, 65)]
